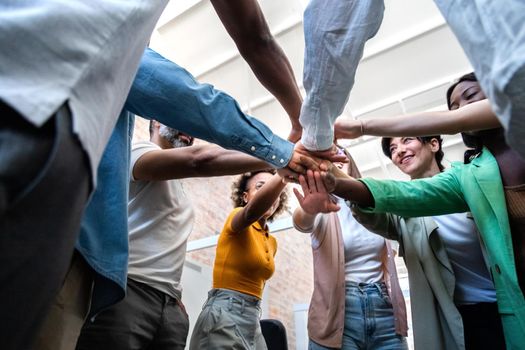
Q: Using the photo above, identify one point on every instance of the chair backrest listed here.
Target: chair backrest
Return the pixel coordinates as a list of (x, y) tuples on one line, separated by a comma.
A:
[(274, 334)]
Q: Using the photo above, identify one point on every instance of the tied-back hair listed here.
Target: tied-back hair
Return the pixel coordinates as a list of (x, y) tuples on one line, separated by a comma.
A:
[(474, 143), (385, 145), (239, 186)]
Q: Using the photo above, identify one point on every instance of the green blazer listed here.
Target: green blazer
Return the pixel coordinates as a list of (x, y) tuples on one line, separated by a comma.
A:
[(474, 187)]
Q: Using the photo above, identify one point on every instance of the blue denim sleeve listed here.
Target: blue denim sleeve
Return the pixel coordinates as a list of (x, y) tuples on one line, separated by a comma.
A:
[(164, 91)]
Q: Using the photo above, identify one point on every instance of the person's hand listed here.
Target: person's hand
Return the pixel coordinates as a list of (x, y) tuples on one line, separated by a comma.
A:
[(295, 133), (329, 181), (345, 128), (332, 154), (297, 165), (315, 199)]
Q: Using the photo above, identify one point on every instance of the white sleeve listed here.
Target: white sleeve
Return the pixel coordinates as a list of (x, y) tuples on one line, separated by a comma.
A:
[(335, 35), (138, 150)]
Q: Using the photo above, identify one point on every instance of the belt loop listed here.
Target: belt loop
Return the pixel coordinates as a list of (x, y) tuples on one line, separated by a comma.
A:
[(242, 306), (230, 303)]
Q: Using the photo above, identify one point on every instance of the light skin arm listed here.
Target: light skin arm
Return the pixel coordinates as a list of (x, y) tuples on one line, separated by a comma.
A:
[(314, 200), (260, 203), (245, 22), (472, 117), (193, 161)]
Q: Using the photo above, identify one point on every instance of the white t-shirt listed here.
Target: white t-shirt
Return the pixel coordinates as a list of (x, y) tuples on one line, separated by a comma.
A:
[(160, 221), (461, 239), (363, 249)]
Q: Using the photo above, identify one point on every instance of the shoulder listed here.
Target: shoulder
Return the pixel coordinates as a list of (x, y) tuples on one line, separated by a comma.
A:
[(227, 224)]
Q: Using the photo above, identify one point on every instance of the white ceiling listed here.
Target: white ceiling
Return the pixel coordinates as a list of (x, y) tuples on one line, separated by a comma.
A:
[(406, 67)]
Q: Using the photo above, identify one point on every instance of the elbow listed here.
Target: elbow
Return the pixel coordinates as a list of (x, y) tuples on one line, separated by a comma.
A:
[(202, 161)]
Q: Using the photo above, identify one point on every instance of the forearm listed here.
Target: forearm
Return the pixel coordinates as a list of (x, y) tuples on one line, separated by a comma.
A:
[(212, 160), (472, 117), (264, 199), (354, 191), (245, 22), (273, 70), (302, 220)]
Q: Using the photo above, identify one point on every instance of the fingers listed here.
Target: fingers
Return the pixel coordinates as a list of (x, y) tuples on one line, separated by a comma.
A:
[(296, 167), (319, 185), (308, 162), (304, 184), (299, 196), (311, 181)]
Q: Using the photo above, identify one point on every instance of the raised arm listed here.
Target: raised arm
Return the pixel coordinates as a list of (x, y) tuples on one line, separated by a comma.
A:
[(193, 161), (472, 117), (245, 22), (261, 202), (314, 200)]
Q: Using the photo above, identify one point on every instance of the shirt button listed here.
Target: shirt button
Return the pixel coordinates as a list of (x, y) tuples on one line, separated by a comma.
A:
[(496, 267), (281, 161), (273, 157), (252, 148)]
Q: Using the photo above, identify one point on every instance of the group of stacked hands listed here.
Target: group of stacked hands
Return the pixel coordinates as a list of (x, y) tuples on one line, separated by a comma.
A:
[(69, 103)]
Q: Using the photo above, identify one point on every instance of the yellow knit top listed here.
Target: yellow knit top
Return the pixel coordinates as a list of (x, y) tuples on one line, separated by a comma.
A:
[(244, 260)]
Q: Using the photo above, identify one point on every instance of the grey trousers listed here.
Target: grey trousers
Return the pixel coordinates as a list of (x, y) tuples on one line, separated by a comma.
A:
[(44, 186), (229, 320), (146, 319)]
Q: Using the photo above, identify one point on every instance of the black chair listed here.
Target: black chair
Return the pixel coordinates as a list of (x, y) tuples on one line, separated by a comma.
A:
[(274, 334)]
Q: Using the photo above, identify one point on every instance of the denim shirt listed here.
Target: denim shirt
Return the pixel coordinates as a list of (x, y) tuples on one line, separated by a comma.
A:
[(165, 92)]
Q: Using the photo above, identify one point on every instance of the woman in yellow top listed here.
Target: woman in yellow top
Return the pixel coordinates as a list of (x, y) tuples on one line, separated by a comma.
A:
[(243, 263)]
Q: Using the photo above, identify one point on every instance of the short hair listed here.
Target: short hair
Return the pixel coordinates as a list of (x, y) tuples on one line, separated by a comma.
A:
[(239, 187), (467, 77), (385, 145)]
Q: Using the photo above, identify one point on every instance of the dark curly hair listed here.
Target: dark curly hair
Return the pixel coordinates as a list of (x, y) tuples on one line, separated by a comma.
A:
[(239, 187), (385, 145), (475, 144)]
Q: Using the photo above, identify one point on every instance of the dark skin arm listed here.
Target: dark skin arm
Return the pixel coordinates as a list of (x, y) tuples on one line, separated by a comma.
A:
[(193, 161), (261, 202), (245, 22), (348, 188)]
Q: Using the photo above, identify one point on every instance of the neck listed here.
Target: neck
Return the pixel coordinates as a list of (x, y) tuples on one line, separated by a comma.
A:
[(494, 140), (429, 172)]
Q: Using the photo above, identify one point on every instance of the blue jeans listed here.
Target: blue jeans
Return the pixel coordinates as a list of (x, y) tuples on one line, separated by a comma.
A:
[(369, 319)]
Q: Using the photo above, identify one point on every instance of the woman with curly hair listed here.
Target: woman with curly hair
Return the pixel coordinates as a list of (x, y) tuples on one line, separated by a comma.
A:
[(243, 264)]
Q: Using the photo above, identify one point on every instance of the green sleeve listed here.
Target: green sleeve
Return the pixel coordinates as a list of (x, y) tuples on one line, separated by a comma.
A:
[(438, 195)]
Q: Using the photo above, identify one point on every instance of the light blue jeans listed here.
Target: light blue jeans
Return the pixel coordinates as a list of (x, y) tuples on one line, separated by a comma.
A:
[(369, 319)]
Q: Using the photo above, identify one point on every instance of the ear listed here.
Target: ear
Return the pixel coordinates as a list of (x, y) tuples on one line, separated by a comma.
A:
[(434, 145), (245, 197)]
